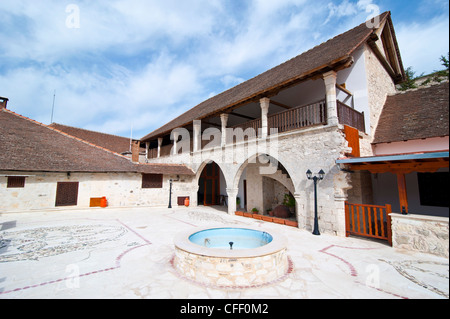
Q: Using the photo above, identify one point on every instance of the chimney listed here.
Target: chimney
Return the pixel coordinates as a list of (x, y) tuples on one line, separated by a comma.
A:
[(3, 102), (135, 148)]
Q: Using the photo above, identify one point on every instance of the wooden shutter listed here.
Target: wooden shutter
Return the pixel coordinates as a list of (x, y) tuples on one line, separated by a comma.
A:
[(67, 194), (16, 182), (152, 181)]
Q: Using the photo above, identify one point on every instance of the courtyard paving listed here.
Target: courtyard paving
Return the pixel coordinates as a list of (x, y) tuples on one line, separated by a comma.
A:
[(127, 253)]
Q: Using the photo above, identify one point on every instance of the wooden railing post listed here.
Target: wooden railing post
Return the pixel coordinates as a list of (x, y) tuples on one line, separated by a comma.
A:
[(389, 223)]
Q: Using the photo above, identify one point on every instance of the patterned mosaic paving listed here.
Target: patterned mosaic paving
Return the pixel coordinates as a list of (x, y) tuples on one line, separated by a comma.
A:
[(41, 242)]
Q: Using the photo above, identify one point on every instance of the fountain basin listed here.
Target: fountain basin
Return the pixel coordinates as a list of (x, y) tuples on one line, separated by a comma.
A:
[(256, 257)]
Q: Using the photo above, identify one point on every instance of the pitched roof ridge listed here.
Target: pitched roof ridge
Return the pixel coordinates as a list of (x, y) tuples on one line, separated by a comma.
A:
[(203, 106), (83, 129), (422, 87), (65, 134)]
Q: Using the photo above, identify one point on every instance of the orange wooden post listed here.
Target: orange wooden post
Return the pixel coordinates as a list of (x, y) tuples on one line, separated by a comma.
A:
[(389, 223), (402, 194)]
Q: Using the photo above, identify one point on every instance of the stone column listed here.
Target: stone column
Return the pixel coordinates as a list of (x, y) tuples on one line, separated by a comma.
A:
[(176, 135), (232, 194), (160, 140), (330, 88), (264, 102), (224, 120), (300, 210), (196, 137), (147, 147)]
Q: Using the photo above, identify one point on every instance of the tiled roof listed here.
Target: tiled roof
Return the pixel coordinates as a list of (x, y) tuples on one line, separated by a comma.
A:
[(415, 114), (27, 145), (114, 143), (318, 60)]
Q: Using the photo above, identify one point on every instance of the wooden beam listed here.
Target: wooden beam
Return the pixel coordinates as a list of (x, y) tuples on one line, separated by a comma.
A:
[(280, 104), (402, 194), (343, 89), (404, 168), (243, 116)]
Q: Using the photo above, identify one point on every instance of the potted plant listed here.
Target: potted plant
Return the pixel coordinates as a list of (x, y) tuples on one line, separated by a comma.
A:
[(289, 201), (255, 210), (238, 202)]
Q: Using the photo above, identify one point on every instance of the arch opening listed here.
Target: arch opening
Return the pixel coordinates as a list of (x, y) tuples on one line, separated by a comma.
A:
[(211, 185)]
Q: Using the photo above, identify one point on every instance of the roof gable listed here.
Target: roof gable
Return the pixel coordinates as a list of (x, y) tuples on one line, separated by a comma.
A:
[(327, 56)]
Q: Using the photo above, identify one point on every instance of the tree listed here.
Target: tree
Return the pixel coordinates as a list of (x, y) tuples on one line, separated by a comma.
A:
[(410, 82)]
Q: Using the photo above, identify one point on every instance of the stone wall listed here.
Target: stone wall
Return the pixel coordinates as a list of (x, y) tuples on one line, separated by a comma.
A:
[(426, 234), (120, 189)]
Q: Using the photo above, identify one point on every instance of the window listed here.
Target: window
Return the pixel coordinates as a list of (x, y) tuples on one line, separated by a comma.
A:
[(433, 189), (152, 181), (16, 182)]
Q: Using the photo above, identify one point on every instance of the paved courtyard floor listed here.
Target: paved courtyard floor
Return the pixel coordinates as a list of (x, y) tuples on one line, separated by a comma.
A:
[(127, 253)]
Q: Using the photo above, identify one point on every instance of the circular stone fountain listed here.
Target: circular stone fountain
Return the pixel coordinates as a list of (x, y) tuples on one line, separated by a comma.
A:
[(231, 257)]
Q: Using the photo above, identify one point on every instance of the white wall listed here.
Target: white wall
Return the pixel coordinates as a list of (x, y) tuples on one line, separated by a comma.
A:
[(120, 189)]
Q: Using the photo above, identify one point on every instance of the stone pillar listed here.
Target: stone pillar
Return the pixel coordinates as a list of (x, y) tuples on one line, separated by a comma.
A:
[(224, 120), (175, 135), (264, 102), (196, 137), (330, 88), (232, 194), (160, 140), (147, 146), (300, 210)]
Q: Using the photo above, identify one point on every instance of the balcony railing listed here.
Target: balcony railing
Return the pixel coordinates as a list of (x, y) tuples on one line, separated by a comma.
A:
[(351, 117), (293, 119), (299, 117)]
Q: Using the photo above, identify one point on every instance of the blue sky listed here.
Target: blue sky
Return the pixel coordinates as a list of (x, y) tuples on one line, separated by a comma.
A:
[(117, 64)]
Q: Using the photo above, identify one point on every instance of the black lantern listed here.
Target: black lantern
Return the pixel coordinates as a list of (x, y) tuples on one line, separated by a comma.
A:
[(320, 176)]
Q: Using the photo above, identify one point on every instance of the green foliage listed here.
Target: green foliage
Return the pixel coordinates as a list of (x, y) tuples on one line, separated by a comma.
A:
[(289, 200), (410, 82), (436, 76)]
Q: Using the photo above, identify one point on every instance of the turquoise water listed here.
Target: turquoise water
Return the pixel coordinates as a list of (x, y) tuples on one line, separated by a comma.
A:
[(240, 238)]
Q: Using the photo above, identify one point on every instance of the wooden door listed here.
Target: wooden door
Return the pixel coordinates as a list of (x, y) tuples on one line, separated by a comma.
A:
[(67, 194), (210, 184)]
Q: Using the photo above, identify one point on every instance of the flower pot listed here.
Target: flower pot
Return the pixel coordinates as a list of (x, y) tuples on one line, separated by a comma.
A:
[(257, 216), (239, 213), (248, 215)]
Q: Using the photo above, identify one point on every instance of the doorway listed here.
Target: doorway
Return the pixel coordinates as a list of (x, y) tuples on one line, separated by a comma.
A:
[(209, 185)]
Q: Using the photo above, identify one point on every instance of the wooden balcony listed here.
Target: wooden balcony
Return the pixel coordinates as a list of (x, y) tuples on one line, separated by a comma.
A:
[(351, 117), (289, 120)]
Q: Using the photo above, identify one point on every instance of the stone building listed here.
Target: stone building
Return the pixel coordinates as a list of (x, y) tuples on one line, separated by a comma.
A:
[(254, 143), (44, 168)]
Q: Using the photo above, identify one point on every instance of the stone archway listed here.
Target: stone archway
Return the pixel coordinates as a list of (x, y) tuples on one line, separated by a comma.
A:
[(269, 185), (211, 181)]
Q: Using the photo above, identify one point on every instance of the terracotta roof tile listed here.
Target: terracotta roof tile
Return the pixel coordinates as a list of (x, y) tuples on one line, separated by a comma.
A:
[(319, 58), (27, 145), (415, 114)]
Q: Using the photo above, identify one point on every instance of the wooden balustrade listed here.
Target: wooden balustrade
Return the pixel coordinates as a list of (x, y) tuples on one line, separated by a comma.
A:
[(351, 117), (299, 117), (371, 221)]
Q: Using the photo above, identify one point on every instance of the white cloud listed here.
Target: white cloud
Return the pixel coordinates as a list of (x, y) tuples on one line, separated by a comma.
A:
[(422, 44), (144, 62)]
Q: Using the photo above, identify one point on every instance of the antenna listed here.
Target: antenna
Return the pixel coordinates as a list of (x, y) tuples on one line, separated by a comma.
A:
[(53, 107)]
